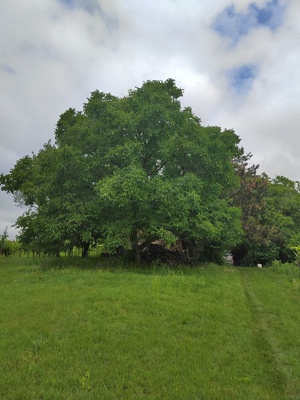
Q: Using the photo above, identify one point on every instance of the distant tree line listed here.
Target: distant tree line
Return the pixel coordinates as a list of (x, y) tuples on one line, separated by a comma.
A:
[(127, 172)]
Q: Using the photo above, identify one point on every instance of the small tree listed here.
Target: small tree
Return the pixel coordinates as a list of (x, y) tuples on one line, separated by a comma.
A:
[(270, 215), (4, 245), (260, 232)]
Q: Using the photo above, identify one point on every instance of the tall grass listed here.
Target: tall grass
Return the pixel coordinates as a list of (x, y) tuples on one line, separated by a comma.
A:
[(81, 329), (290, 269)]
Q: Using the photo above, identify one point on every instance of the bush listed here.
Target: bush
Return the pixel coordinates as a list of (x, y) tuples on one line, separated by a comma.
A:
[(5, 250)]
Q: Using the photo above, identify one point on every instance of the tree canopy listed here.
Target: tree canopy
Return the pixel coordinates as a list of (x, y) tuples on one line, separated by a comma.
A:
[(126, 172)]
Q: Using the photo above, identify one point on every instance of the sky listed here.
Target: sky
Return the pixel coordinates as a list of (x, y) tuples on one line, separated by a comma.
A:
[(237, 61)]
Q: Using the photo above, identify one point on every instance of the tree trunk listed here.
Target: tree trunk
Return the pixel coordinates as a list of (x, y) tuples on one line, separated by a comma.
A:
[(137, 256), (136, 248), (85, 249)]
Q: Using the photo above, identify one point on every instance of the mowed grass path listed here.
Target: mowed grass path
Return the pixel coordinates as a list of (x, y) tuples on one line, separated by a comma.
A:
[(95, 333)]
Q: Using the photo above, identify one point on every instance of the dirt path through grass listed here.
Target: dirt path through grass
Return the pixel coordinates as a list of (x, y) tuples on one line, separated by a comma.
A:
[(274, 306)]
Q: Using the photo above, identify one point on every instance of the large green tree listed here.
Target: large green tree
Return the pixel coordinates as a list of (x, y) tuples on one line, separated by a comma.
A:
[(128, 171)]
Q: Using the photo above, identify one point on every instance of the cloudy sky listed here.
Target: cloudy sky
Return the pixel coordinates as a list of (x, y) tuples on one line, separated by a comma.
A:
[(238, 62)]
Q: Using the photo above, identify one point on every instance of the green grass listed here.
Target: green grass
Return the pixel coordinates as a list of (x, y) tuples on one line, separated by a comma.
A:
[(78, 330)]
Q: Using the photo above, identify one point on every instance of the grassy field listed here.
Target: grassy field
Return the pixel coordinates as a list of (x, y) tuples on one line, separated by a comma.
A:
[(77, 330)]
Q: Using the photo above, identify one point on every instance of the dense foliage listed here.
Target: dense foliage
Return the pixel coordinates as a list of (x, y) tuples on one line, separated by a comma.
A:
[(127, 172), (270, 216)]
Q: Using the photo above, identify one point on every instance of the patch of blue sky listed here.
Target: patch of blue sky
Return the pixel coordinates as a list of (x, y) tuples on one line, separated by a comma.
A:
[(242, 78), (89, 6), (68, 3), (233, 24)]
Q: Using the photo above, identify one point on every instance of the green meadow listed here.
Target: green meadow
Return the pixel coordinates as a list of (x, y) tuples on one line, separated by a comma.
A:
[(79, 329)]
